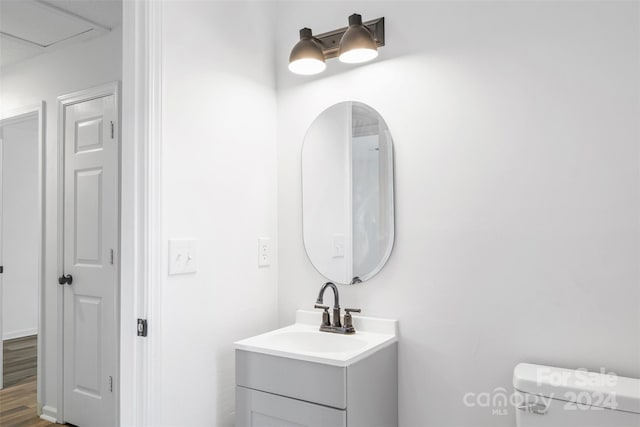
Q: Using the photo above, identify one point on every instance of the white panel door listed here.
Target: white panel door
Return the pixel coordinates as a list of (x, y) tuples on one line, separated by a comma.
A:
[(90, 242)]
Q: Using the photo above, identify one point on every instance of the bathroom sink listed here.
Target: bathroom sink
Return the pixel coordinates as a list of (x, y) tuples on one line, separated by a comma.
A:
[(304, 341)]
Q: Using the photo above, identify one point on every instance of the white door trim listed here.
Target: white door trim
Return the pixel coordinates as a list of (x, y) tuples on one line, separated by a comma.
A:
[(37, 111), (64, 101), (141, 222)]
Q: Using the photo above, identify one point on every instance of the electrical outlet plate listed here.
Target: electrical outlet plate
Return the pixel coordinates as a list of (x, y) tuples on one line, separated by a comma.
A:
[(338, 245), (182, 257)]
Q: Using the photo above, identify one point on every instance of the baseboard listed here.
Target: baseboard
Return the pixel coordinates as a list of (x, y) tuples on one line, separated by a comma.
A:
[(19, 334), (49, 414)]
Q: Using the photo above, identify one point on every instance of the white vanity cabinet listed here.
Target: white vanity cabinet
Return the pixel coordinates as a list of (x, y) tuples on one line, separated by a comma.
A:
[(299, 376), (284, 392)]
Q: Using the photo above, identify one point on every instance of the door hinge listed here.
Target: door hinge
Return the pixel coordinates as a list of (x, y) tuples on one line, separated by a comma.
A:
[(111, 384), (1, 269), (112, 130), (111, 257), (142, 327)]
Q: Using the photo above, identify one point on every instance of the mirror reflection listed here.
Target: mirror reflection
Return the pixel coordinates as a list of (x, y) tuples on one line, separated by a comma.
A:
[(347, 193)]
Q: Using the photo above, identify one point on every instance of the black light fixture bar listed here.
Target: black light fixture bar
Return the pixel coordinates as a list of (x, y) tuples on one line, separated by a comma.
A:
[(330, 41)]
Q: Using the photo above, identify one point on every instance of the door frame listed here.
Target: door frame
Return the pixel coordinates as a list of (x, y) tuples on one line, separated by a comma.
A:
[(63, 102), (142, 238), (36, 111)]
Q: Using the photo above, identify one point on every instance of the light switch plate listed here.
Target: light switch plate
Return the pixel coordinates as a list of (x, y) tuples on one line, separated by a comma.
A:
[(264, 251), (182, 257)]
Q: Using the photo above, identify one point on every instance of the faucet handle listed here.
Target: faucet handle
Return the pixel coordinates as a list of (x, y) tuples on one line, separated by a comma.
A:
[(348, 320), (325, 314)]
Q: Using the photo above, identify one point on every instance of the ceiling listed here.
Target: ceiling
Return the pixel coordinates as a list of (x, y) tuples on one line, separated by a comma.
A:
[(31, 27)]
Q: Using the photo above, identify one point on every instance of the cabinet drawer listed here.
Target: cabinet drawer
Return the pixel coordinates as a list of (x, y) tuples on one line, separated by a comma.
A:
[(312, 382), (258, 409)]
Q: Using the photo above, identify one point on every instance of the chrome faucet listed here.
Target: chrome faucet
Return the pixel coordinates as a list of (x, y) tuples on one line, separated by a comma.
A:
[(335, 326)]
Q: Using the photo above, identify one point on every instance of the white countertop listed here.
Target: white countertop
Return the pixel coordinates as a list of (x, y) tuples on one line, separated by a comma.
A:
[(304, 341)]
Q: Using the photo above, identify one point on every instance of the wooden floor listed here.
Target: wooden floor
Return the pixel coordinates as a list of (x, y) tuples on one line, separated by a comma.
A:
[(18, 405), (20, 359), (18, 399)]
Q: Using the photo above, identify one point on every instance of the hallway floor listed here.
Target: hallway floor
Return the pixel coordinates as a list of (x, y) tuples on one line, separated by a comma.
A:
[(20, 359), (18, 398)]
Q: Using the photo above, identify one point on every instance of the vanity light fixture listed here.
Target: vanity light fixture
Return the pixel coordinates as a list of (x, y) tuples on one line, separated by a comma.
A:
[(354, 44), (306, 56), (357, 44)]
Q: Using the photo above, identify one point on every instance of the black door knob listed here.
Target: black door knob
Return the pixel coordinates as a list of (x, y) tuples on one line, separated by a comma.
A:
[(68, 279)]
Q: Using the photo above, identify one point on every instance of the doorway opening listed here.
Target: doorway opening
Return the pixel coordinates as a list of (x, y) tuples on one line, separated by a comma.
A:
[(21, 262)]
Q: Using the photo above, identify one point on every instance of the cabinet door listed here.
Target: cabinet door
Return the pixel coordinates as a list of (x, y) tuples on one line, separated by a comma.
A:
[(258, 409)]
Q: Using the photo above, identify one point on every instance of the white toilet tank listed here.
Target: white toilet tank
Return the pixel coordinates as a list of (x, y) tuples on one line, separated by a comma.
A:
[(557, 397)]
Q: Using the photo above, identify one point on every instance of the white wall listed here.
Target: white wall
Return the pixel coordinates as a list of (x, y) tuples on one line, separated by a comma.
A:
[(219, 188), (19, 235), (45, 77), (517, 189)]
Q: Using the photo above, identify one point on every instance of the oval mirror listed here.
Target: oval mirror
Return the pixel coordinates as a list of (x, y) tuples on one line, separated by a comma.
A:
[(347, 193)]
